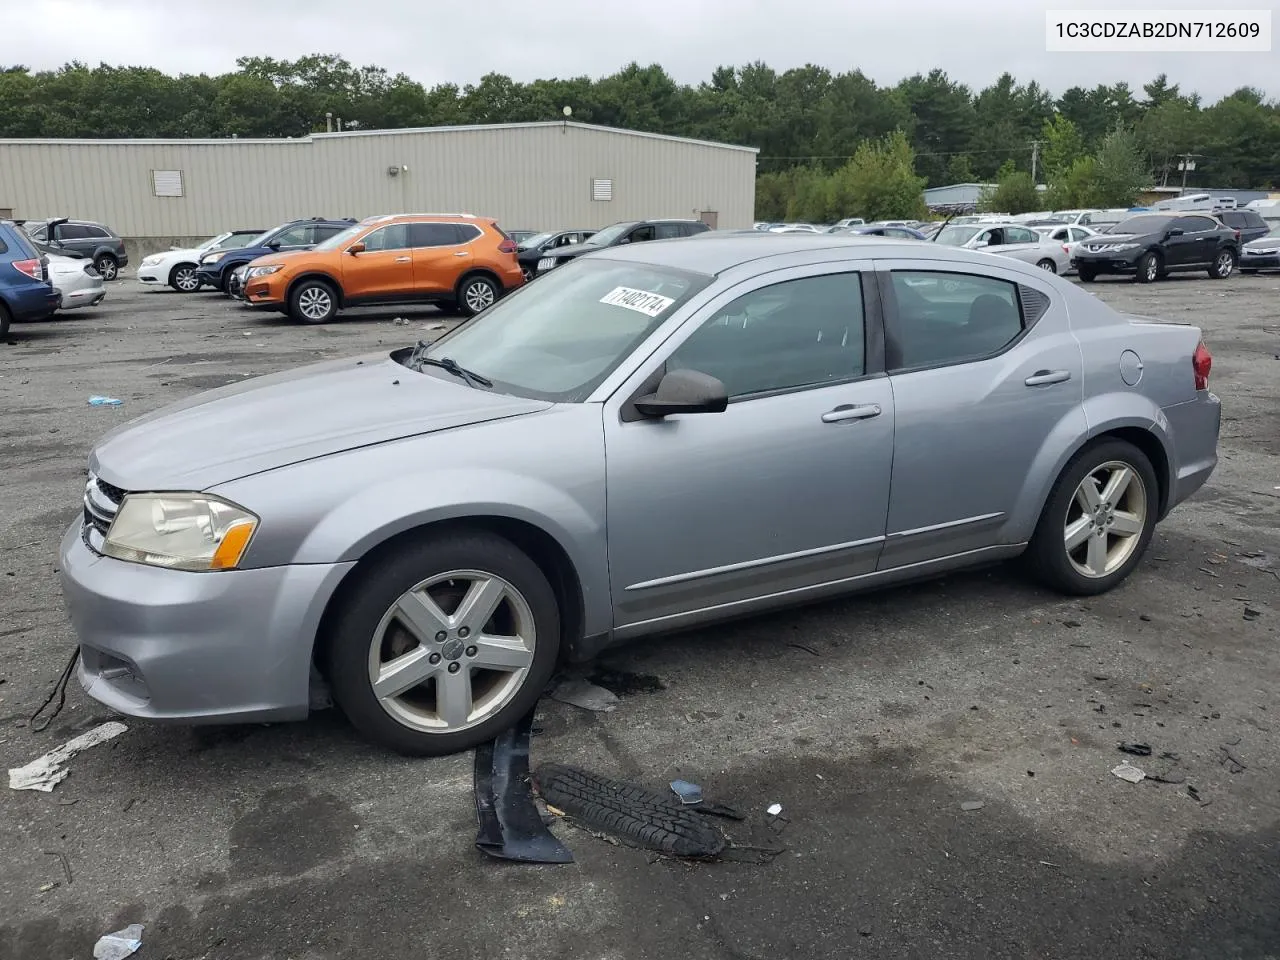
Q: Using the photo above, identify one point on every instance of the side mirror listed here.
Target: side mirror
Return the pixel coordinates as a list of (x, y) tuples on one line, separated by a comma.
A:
[(1174, 232), (273, 245), (684, 391), (357, 247)]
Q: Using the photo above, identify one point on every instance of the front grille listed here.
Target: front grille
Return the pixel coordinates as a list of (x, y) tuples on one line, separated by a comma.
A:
[(101, 501)]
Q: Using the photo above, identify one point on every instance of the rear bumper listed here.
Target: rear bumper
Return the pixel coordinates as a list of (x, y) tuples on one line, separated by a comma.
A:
[(87, 296), (1194, 427)]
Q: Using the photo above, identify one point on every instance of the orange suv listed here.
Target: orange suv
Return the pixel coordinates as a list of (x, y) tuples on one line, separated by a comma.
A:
[(457, 259)]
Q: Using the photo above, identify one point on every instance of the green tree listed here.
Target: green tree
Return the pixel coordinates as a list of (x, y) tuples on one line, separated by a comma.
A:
[(1167, 129), (879, 182), (960, 169), (1013, 192), (1063, 145), (1076, 187), (1120, 171)]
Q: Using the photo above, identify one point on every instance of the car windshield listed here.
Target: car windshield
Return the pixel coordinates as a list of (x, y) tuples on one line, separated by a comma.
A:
[(213, 242), (537, 240), (339, 240), (609, 234), (558, 338), (956, 236), (1275, 231), (1144, 224)]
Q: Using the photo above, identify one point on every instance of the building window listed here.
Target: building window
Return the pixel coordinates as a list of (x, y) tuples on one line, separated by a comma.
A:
[(166, 183), (601, 189)]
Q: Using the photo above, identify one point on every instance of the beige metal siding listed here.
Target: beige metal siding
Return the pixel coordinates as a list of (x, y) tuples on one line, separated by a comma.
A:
[(526, 176)]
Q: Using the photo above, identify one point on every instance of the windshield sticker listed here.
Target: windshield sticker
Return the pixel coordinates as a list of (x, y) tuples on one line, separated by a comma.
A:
[(641, 301)]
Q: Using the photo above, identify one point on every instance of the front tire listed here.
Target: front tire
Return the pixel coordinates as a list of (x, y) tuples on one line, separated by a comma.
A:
[(444, 643), (313, 301), (1224, 263), (477, 293), (107, 266), (183, 278), (1047, 264), (1098, 520), (1148, 268), (1087, 274)]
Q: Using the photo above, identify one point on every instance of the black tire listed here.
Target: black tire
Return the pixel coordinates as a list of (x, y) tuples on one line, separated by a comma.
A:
[(648, 819), (1224, 264), (1149, 268), (1047, 554), (352, 626), (1087, 274), (306, 298), (224, 280), (183, 278), (1047, 264), (107, 265), (5, 320), (474, 289)]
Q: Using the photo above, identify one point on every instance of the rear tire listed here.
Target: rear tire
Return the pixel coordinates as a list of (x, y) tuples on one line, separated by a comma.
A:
[(183, 278), (1224, 263), (1148, 268), (106, 265), (1047, 264), (5, 320), (1087, 275), (313, 301), (475, 293), (367, 634), (1082, 552)]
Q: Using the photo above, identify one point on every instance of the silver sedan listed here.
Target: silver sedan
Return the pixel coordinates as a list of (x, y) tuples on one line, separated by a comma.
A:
[(654, 436), (77, 280), (1008, 240)]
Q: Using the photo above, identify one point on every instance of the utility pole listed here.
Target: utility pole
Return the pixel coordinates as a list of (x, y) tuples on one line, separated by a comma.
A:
[(1188, 164), (1035, 159)]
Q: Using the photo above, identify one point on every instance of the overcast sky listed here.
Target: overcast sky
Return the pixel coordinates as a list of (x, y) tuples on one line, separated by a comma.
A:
[(436, 41)]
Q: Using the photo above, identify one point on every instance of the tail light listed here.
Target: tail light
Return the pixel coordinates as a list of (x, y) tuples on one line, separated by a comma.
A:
[(1237, 236), (29, 267), (507, 246), (1065, 248), (1201, 364)]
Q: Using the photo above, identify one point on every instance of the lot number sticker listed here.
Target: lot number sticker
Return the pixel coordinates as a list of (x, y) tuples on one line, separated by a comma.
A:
[(641, 301)]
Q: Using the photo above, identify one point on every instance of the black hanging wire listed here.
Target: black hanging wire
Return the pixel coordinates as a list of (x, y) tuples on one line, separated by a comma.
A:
[(39, 723)]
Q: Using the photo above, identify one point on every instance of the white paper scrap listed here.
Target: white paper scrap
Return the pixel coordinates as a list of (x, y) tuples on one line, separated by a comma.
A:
[(48, 771)]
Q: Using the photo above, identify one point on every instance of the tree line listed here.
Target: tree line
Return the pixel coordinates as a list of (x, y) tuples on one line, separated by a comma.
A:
[(810, 124)]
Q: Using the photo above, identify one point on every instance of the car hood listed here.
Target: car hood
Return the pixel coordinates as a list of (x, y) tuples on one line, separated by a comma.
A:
[(577, 250), (1263, 243), (1101, 238), (287, 417)]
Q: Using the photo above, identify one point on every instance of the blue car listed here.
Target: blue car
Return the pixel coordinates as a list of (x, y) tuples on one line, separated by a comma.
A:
[(25, 290), (216, 268)]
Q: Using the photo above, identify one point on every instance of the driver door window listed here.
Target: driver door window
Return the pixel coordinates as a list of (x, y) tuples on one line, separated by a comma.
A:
[(393, 237), (787, 336), (640, 234)]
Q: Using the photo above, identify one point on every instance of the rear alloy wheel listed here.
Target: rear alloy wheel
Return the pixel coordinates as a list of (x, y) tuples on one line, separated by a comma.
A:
[(183, 278), (476, 294), (1098, 519), (1148, 268), (106, 265), (313, 301), (444, 644), (1047, 264), (1223, 264)]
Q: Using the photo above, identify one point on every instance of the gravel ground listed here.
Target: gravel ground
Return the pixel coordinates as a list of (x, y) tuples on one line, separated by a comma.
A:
[(871, 720)]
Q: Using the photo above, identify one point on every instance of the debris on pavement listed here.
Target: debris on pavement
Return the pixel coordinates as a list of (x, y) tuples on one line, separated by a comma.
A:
[(45, 773), (775, 810), (973, 805), (400, 322), (104, 402), (1128, 772), (586, 696), (66, 864), (118, 945), (1137, 749), (1230, 760), (689, 793), (510, 826), (435, 326), (1250, 613)]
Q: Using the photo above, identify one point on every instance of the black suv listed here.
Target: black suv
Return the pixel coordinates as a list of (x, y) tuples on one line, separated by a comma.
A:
[(1151, 245), (1248, 224), (629, 231), (533, 248), (81, 238), (217, 266)]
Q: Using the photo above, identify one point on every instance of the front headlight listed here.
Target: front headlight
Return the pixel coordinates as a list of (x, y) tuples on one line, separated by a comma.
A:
[(152, 260), (1126, 246), (182, 531), (263, 271), (212, 257)]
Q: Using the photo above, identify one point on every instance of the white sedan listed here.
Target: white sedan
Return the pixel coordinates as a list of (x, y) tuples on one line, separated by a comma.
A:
[(1008, 240), (177, 267), (1067, 235)]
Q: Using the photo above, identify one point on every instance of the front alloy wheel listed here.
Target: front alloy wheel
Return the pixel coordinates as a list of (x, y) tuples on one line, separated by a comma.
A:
[(313, 302), (184, 279)]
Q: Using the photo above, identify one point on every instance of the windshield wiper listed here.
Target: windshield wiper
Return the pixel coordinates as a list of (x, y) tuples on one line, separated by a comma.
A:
[(419, 358)]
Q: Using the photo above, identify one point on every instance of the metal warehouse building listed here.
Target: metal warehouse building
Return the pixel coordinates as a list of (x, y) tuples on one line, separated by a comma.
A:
[(526, 175)]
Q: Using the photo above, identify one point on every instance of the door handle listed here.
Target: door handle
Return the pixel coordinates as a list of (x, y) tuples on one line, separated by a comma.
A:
[(462, 253), (403, 259), (1042, 378), (847, 411)]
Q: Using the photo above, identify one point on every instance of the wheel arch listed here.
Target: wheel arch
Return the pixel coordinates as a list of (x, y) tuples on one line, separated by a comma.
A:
[(328, 278), (179, 265), (533, 540), (485, 272)]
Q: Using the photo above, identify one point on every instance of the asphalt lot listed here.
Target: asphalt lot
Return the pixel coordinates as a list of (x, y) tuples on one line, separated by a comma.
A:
[(301, 841)]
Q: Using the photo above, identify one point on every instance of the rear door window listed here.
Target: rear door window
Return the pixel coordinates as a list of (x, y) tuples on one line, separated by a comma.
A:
[(321, 234), (944, 317), (433, 234), (1196, 224), (668, 231)]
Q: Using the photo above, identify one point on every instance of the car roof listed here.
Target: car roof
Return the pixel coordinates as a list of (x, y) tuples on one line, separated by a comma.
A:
[(718, 253)]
